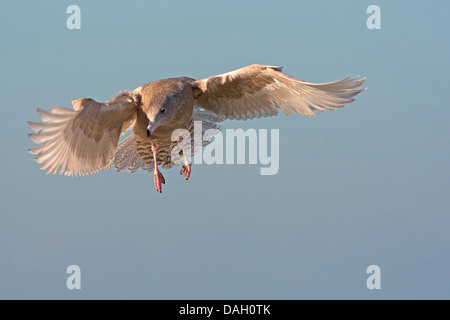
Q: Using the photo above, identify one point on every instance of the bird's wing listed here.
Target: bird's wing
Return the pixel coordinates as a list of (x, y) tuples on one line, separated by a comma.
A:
[(258, 91), (82, 141)]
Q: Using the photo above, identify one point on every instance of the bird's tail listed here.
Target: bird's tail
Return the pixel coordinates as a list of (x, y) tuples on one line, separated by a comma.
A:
[(126, 156)]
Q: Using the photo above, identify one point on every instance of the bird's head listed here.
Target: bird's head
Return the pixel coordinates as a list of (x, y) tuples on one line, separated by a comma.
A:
[(163, 112)]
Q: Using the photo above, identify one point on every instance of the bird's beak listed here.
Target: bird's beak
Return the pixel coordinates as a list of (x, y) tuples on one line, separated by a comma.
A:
[(151, 127)]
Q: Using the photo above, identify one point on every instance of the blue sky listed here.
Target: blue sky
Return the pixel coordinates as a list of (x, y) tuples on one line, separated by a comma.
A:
[(364, 185)]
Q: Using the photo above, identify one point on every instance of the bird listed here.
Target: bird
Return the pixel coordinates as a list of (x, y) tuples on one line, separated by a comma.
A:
[(85, 140)]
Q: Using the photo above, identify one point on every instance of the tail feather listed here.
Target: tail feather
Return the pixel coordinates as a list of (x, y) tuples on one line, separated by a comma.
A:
[(126, 156)]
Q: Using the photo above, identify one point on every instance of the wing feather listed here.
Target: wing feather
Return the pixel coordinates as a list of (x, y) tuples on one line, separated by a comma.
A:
[(260, 91), (82, 141)]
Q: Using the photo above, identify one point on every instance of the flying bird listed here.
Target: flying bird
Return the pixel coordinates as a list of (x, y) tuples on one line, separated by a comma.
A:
[(85, 140)]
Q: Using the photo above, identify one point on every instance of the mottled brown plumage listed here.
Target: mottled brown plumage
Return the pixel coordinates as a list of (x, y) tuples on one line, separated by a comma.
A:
[(86, 139)]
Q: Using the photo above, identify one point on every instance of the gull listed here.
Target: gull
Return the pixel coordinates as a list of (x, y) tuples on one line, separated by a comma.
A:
[(85, 140)]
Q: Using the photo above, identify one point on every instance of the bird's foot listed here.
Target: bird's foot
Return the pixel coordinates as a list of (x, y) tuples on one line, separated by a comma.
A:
[(186, 169), (159, 179)]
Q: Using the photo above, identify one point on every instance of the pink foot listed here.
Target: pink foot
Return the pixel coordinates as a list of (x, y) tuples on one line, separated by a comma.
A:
[(186, 169), (158, 178)]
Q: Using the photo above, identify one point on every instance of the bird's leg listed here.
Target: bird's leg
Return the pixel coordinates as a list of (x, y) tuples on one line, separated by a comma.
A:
[(186, 168), (157, 176)]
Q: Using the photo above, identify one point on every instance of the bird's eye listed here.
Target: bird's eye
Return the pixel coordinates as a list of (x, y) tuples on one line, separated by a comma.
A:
[(162, 110)]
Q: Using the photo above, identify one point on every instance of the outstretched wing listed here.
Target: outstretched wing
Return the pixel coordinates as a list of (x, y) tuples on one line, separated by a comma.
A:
[(82, 141), (258, 91)]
